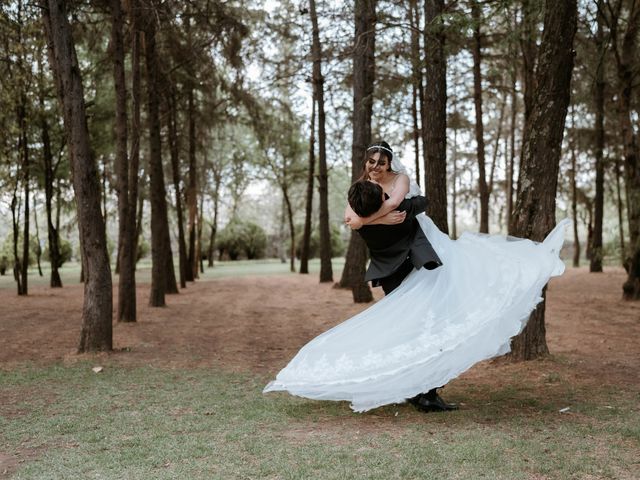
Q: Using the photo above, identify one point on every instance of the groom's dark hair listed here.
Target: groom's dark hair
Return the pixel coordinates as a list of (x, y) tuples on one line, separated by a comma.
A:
[(365, 197)]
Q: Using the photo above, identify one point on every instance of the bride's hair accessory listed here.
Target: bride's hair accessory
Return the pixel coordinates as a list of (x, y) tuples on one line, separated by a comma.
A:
[(380, 147)]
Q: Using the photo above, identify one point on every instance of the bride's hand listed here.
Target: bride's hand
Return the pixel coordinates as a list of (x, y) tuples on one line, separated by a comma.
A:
[(353, 223), (393, 218)]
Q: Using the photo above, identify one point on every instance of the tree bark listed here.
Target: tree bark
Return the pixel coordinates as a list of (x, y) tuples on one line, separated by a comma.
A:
[(38, 247), (24, 152), (326, 269), (15, 218), (417, 89), (512, 145), (199, 263), (454, 180), (529, 52), (292, 230), (174, 150), (434, 118), (126, 254), (620, 216), (162, 262), (135, 200), (534, 214), (574, 194), (596, 245), (363, 85), (483, 189), (49, 173), (97, 307), (626, 62), (306, 235), (217, 180), (191, 200)]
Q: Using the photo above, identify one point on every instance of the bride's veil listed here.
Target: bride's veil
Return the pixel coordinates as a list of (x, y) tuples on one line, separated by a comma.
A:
[(398, 167)]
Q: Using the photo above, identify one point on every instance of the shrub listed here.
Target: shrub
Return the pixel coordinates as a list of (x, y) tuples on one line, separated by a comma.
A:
[(66, 252), (337, 243), (143, 249), (7, 248), (240, 238)]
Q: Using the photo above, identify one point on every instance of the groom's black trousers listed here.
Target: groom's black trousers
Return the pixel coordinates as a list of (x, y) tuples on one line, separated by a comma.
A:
[(390, 283)]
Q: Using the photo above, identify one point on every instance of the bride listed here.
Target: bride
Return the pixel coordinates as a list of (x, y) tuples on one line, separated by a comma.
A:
[(437, 323)]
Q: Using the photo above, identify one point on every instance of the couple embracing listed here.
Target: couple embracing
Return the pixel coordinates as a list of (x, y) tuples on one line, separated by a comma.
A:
[(448, 303)]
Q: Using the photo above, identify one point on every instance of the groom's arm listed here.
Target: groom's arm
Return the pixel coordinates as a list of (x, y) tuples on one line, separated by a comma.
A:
[(414, 206)]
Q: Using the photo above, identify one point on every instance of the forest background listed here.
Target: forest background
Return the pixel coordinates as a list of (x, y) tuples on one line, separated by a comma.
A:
[(233, 129), (147, 144)]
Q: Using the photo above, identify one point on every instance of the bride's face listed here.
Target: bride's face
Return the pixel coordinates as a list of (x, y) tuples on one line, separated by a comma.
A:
[(377, 166)]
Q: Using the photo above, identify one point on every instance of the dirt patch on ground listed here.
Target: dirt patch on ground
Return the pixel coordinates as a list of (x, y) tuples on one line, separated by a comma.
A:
[(258, 323)]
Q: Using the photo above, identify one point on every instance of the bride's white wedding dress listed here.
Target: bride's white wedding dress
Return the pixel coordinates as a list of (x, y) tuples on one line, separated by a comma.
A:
[(434, 326)]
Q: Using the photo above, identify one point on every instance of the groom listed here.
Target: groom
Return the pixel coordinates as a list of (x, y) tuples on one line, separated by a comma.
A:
[(395, 250)]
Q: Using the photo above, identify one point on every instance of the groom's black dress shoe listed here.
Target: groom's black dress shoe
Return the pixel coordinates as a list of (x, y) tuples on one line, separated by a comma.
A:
[(431, 403)]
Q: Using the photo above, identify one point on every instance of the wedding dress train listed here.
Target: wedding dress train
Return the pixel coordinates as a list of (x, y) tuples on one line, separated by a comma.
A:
[(434, 326)]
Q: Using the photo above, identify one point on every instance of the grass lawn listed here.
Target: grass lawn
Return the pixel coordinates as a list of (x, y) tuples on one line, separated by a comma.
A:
[(70, 272), (151, 423)]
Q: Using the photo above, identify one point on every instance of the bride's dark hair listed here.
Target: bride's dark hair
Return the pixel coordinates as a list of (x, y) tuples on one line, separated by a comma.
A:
[(378, 147)]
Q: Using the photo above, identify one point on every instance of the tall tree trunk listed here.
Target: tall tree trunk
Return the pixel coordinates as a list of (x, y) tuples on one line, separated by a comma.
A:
[(512, 144), (15, 219), (105, 213), (174, 150), (574, 192), (434, 120), (417, 90), (212, 243), (38, 247), (483, 189), (192, 199), (292, 230), (24, 152), (52, 234), (326, 269), (454, 180), (306, 236), (596, 245), (496, 146), (363, 85), (620, 216), (534, 214), (589, 225), (199, 263), (160, 240), (217, 180), (626, 62), (126, 280), (135, 217), (529, 52), (139, 219), (97, 307), (49, 173)]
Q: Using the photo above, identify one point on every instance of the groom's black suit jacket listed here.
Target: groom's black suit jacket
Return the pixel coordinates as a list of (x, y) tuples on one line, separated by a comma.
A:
[(390, 245)]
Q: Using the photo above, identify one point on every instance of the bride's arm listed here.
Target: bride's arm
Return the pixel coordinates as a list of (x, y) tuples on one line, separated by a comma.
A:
[(385, 214), (355, 222), (399, 192)]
